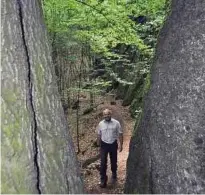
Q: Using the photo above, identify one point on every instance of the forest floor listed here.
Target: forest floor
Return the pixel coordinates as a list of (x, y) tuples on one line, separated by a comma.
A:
[(88, 155)]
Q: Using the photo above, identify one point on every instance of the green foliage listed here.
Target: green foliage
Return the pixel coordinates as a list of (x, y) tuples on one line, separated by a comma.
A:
[(103, 25), (107, 27), (92, 87)]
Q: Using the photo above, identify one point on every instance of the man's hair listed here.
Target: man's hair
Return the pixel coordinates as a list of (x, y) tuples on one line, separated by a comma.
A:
[(107, 111)]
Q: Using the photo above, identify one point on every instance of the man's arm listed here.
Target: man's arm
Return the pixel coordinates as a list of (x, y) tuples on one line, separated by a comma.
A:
[(98, 139), (120, 137), (121, 142), (98, 135)]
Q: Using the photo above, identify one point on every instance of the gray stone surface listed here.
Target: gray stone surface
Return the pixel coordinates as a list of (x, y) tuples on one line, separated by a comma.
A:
[(167, 151), (37, 152)]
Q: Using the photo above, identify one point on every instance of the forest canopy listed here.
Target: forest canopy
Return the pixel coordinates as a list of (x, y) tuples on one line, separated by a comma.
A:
[(103, 24)]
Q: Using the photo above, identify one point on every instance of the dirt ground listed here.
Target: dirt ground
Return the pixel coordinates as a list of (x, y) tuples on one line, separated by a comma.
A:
[(88, 149)]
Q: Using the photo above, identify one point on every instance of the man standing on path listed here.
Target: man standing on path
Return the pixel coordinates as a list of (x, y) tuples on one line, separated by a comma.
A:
[(109, 131)]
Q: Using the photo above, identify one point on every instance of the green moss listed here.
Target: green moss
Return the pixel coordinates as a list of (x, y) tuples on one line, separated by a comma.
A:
[(147, 84), (9, 96), (13, 179), (14, 152), (11, 119), (137, 102), (11, 133), (136, 108)]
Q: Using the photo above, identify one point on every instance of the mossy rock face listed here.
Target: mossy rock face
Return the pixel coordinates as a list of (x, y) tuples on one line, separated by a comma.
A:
[(136, 106), (167, 149), (131, 92), (17, 167), (121, 91), (37, 152)]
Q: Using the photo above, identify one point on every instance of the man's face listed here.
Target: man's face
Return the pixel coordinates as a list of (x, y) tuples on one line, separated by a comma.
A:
[(107, 116)]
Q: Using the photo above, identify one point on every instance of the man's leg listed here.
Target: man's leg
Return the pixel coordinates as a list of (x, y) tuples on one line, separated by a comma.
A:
[(113, 160), (103, 164)]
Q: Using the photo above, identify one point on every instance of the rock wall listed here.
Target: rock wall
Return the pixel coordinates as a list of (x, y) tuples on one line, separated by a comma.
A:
[(167, 151), (37, 153)]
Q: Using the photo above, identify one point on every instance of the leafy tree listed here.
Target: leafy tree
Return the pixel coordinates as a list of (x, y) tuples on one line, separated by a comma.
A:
[(122, 33)]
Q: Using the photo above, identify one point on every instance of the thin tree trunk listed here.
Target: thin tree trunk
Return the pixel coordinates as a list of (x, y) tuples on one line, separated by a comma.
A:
[(78, 100), (90, 79)]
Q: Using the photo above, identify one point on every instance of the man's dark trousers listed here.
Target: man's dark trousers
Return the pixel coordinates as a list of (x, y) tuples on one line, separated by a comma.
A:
[(104, 150)]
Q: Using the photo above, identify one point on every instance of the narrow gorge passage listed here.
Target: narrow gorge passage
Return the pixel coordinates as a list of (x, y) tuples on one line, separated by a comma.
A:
[(91, 172), (92, 181)]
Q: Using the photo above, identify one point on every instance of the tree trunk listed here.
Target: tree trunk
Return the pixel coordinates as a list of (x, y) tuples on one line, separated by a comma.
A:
[(167, 151), (37, 152)]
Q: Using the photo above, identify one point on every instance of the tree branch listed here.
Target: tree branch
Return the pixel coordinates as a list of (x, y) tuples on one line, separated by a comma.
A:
[(99, 11)]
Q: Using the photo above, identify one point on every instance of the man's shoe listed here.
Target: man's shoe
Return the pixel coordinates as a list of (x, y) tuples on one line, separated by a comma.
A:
[(114, 178), (103, 184), (113, 181)]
